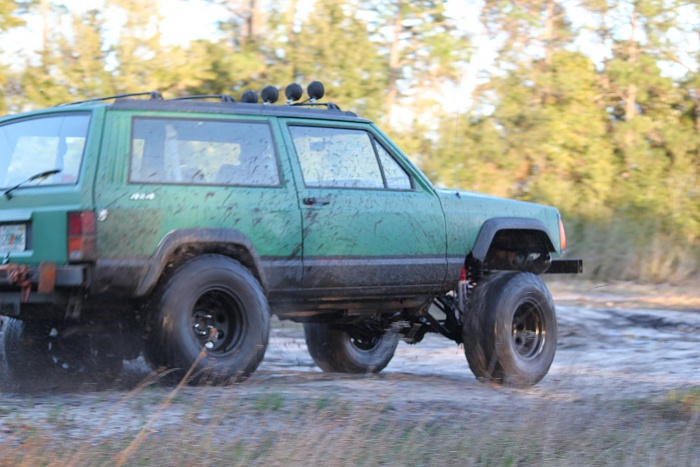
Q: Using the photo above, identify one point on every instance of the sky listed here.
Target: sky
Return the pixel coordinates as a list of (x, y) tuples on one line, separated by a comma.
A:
[(184, 20)]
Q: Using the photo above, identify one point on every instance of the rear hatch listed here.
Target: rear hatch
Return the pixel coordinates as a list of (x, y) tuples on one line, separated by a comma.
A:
[(45, 198)]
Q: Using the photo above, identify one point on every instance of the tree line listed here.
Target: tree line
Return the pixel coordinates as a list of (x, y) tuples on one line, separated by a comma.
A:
[(589, 105)]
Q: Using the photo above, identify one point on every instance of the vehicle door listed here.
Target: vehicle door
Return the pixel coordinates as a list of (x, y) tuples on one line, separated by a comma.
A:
[(368, 222)]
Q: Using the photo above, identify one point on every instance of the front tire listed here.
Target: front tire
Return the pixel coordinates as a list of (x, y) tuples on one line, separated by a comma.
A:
[(510, 329), (212, 318), (349, 349)]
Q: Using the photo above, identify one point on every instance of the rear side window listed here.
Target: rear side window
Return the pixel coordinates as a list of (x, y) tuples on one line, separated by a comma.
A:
[(35, 145), (349, 158), (202, 152)]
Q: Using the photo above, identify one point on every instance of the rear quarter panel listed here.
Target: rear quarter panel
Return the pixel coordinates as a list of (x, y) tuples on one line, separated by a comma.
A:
[(133, 217)]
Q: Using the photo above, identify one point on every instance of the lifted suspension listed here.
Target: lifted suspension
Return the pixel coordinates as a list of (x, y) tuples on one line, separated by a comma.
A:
[(452, 306), (451, 325), (416, 327)]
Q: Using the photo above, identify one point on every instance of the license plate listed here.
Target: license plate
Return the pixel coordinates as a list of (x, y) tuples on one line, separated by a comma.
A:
[(13, 237)]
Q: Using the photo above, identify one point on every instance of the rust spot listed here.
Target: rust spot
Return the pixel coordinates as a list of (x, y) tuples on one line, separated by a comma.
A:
[(47, 277), (17, 274)]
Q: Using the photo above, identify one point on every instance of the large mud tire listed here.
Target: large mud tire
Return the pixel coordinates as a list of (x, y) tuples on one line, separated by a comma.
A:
[(41, 355), (510, 329), (210, 295), (347, 349)]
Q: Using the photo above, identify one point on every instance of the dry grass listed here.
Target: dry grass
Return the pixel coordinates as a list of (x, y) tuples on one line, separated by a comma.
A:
[(215, 426), (629, 250), (575, 290)]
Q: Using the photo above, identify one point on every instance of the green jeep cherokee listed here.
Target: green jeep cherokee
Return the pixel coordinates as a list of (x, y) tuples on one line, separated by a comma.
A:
[(174, 228)]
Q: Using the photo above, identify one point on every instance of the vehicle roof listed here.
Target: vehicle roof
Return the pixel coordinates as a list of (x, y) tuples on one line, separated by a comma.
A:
[(320, 111), (225, 105), (327, 111)]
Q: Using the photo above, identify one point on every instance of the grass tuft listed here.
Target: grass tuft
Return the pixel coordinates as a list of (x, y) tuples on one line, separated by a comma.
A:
[(207, 426), (633, 250), (683, 404)]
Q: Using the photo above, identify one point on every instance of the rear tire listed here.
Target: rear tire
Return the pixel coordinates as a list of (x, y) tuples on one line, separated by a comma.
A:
[(210, 295), (510, 329), (41, 354), (349, 349)]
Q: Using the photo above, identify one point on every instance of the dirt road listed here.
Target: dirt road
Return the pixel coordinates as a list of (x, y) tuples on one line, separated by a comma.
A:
[(605, 352), (602, 351)]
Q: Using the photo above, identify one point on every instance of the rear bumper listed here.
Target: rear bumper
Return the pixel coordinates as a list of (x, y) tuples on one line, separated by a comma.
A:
[(22, 285), (45, 277)]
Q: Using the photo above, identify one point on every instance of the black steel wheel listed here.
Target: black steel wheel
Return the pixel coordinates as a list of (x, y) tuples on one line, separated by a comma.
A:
[(218, 322), (510, 329), (41, 354), (529, 335), (210, 317), (350, 349)]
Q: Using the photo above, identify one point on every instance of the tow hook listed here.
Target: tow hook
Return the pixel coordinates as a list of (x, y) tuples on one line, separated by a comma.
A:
[(17, 275)]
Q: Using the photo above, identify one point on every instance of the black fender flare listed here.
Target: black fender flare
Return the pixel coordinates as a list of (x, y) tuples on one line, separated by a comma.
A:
[(230, 242), (492, 227)]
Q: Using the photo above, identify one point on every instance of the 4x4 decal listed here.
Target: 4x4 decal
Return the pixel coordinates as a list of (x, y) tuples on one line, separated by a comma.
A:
[(143, 196)]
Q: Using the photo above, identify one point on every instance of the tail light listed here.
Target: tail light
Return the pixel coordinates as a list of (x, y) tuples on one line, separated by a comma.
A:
[(81, 236)]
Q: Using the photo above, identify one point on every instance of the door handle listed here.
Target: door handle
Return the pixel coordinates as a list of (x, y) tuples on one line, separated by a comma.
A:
[(316, 201)]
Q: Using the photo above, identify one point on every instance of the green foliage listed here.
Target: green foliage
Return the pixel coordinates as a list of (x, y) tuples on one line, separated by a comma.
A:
[(612, 144), (8, 18), (578, 109), (269, 402), (333, 46), (70, 67)]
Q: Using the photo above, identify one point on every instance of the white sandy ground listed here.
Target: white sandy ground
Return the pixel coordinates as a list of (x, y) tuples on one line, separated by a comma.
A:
[(603, 353), (607, 352)]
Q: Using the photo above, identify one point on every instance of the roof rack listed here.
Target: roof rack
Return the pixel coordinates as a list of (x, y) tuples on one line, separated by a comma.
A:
[(269, 95), (155, 95), (222, 97)]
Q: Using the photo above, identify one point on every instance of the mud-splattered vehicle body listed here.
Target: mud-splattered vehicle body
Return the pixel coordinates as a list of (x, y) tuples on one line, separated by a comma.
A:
[(176, 228)]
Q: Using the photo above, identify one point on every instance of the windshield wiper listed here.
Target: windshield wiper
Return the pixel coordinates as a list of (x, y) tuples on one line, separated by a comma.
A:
[(39, 176)]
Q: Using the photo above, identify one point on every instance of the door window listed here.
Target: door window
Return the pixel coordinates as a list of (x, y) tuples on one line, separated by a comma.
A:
[(396, 176), (340, 157)]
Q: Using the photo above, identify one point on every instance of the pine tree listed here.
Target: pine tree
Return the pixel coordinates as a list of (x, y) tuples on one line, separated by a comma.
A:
[(8, 21), (84, 57), (422, 47), (550, 121), (42, 80), (333, 47)]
